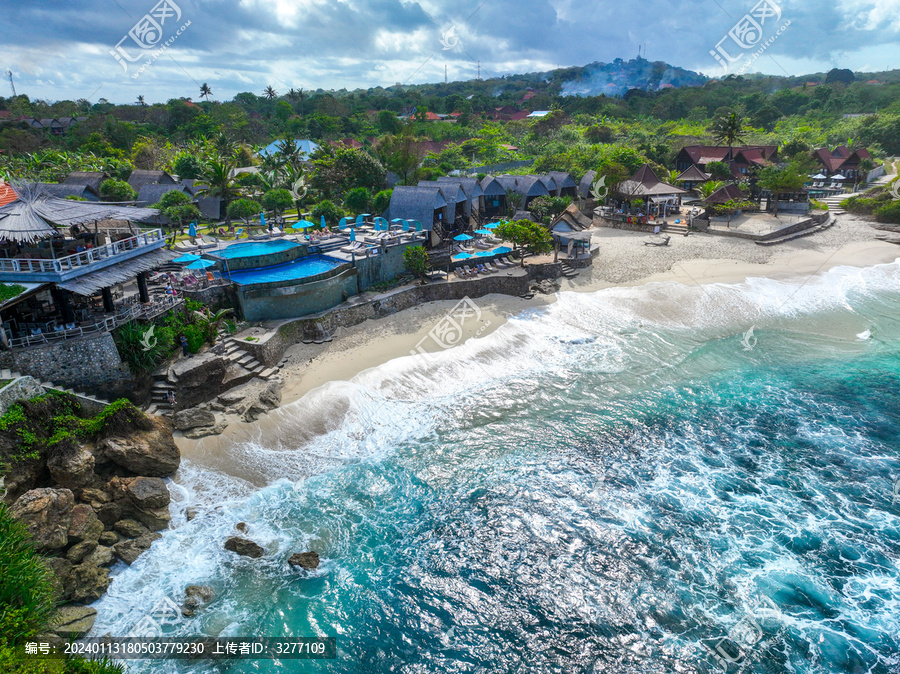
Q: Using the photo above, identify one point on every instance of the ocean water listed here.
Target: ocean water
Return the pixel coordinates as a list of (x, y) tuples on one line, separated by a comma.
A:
[(658, 479)]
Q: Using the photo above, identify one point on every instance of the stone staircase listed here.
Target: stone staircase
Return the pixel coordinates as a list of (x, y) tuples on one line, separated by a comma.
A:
[(568, 271), (8, 374), (834, 203), (233, 353), (830, 222)]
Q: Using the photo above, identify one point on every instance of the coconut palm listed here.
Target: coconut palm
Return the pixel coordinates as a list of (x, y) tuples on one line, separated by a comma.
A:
[(292, 95), (140, 101), (205, 91), (216, 181), (729, 128), (270, 93), (709, 187)]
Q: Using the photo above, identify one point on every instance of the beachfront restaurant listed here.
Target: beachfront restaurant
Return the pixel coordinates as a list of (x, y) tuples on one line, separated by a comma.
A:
[(644, 197), (64, 273)]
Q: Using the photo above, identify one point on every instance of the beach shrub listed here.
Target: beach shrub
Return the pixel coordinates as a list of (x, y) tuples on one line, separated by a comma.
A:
[(547, 208), (143, 347), (244, 209), (332, 213), (381, 201), (357, 200), (889, 213), (117, 190), (415, 261), (10, 290), (818, 205), (530, 235), (26, 606)]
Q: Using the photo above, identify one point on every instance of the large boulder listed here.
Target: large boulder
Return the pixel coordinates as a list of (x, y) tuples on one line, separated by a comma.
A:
[(305, 560), (130, 528), (71, 469), (85, 525), (61, 572), (153, 518), (88, 582), (193, 418), (196, 596), (73, 622), (203, 431), (129, 551), (47, 514), (244, 546), (152, 453), (147, 492), (79, 551), (101, 556), (199, 378)]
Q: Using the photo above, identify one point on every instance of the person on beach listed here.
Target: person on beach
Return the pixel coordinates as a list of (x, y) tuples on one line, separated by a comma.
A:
[(170, 397)]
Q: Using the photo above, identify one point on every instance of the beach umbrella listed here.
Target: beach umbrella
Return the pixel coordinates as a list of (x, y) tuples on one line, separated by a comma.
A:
[(463, 237), (838, 176), (819, 176), (187, 257), (303, 224), (352, 234), (462, 256), (192, 230), (492, 225), (502, 249), (262, 219), (382, 223), (323, 223), (483, 231), (201, 264), (418, 225)]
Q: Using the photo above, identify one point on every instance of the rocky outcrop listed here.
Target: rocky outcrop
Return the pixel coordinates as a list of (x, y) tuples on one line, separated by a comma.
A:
[(106, 502), (196, 597), (244, 547), (73, 622), (305, 560), (193, 418), (129, 551), (199, 378), (47, 514), (153, 453)]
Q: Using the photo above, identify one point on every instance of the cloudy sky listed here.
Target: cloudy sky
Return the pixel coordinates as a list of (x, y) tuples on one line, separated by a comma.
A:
[(61, 49)]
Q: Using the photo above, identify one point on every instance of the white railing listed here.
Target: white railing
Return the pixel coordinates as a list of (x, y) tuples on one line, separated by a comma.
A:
[(82, 259), (108, 324)]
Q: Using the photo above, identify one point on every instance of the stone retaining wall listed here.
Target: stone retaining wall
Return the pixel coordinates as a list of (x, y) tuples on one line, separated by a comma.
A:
[(271, 350), (90, 363)]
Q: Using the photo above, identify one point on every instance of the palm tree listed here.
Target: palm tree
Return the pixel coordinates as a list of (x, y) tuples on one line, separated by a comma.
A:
[(292, 95), (729, 128), (216, 181), (205, 91), (140, 101), (709, 187), (270, 93)]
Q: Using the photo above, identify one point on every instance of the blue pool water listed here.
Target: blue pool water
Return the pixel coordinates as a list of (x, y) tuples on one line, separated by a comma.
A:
[(253, 248), (299, 268), (615, 483)]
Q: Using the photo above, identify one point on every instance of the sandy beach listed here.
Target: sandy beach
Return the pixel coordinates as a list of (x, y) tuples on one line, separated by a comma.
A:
[(622, 260)]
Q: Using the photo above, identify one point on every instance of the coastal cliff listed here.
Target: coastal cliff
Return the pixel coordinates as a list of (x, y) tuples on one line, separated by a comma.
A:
[(88, 488)]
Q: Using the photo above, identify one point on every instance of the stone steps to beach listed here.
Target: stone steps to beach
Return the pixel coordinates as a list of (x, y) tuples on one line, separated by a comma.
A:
[(797, 235)]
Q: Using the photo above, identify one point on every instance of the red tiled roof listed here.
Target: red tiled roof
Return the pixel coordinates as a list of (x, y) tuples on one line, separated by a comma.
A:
[(431, 117), (7, 196)]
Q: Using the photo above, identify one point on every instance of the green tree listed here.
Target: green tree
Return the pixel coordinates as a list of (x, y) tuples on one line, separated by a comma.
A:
[(336, 171), (401, 154), (388, 123), (187, 166), (782, 180), (535, 238), (415, 261), (719, 170), (178, 207), (117, 190), (205, 91), (270, 93), (357, 200), (277, 200), (381, 201), (244, 209), (547, 208), (332, 213)]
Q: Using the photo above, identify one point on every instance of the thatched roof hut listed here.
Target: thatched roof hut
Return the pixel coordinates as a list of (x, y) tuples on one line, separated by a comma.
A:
[(92, 179), (425, 204)]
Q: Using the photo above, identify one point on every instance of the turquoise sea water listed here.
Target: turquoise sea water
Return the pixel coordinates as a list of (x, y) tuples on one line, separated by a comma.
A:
[(299, 268), (613, 484)]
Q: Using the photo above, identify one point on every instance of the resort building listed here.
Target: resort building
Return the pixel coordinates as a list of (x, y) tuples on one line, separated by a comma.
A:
[(842, 160), (494, 197), (565, 184), (740, 159), (530, 187), (425, 204), (692, 177), (141, 177), (474, 194)]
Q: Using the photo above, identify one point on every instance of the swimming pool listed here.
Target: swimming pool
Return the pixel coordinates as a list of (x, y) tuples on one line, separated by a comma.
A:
[(254, 248), (303, 267)]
